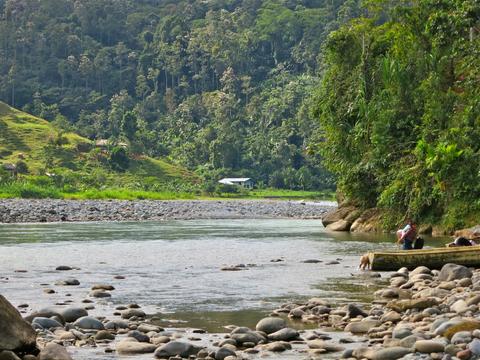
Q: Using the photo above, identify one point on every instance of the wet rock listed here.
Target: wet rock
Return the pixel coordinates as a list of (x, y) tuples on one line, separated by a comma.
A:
[(340, 225), (327, 346), (72, 314), (278, 346), (104, 335), (134, 347), (140, 337), (176, 348), (68, 282), (45, 323), (63, 268), (103, 287), (223, 353), (311, 261), (100, 294), (89, 323), (354, 310), (451, 272), (270, 325), (285, 334), (129, 313), (116, 324), (146, 328), (54, 351)]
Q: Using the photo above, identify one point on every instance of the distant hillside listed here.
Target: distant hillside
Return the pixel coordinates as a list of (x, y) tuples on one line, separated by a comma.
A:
[(38, 148)]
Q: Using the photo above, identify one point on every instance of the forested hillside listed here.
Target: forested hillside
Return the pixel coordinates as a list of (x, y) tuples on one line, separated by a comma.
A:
[(222, 87), (400, 110)]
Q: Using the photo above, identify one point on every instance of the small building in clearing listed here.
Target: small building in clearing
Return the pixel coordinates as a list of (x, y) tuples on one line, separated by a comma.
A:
[(246, 183)]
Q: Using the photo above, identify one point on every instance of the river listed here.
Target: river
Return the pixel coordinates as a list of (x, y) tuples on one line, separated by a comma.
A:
[(173, 268)]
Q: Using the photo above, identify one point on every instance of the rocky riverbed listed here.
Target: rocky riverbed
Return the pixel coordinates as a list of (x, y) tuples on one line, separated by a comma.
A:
[(423, 314), (24, 211)]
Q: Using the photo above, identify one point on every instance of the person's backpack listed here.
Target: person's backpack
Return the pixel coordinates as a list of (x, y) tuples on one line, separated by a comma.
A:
[(419, 242)]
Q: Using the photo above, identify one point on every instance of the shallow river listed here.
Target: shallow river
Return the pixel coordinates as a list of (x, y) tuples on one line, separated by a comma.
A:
[(173, 268)]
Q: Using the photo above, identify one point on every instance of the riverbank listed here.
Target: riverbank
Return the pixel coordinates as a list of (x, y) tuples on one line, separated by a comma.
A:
[(48, 210)]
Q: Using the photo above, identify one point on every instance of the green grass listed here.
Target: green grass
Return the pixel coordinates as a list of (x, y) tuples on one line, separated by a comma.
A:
[(24, 137), (281, 194)]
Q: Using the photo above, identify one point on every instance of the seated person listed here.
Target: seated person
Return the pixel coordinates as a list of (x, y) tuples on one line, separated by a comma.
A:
[(407, 235), (462, 241)]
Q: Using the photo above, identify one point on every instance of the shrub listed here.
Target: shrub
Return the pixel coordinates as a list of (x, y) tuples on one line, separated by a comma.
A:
[(119, 160)]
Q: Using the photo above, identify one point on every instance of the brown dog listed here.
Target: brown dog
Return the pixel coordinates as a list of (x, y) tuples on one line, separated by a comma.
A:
[(364, 262)]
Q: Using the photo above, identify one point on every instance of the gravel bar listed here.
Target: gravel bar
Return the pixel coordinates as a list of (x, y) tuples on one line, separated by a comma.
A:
[(34, 211)]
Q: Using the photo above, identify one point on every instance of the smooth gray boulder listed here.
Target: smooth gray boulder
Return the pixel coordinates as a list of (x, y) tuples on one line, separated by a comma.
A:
[(72, 314), (223, 352), (8, 355), (45, 323), (174, 348), (15, 333), (451, 272), (270, 325), (88, 322), (285, 334), (54, 352)]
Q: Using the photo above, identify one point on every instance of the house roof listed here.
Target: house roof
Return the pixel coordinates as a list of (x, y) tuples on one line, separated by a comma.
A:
[(236, 179)]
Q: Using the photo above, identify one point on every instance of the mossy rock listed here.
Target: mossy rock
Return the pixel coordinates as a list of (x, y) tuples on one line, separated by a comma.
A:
[(468, 325)]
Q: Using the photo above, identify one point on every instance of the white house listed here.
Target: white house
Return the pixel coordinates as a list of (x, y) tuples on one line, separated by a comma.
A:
[(247, 183)]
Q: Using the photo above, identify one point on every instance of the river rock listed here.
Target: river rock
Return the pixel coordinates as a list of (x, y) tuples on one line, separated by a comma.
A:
[(15, 333), (270, 325), (354, 310), (140, 337), (146, 328), (104, 335), (451, 272), (474, 347), (285, 334), (278, 346), (361, 327), (72, 314), (327, 346), (461, 337), (392, 316), (134, 347), (129, 313), (46, 323), (223, 353), (403, 305), (100, 294), (459, 306), (391, 353), (429, 346), (54, 351), (63, 268), (102, 287), (89, 323), (247, 337), (176, 348), (337, 215), (68, 282), (116, 324)]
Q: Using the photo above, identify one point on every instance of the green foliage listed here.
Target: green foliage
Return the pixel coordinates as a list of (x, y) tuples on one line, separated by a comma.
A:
[(218, 85), (399, 109), (119, 159)]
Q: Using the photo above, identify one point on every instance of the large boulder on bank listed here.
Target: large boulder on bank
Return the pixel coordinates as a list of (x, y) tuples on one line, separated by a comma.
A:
[(271, 325), (470, 233), (340, 213), (452, 272), (174, 348), (368, 221), (15, 333), (340, 225)]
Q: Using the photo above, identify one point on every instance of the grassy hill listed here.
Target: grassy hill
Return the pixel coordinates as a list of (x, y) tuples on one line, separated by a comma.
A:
[(47, 157)]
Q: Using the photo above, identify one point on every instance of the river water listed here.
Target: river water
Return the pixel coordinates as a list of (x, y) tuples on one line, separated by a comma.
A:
[(172, 268)]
